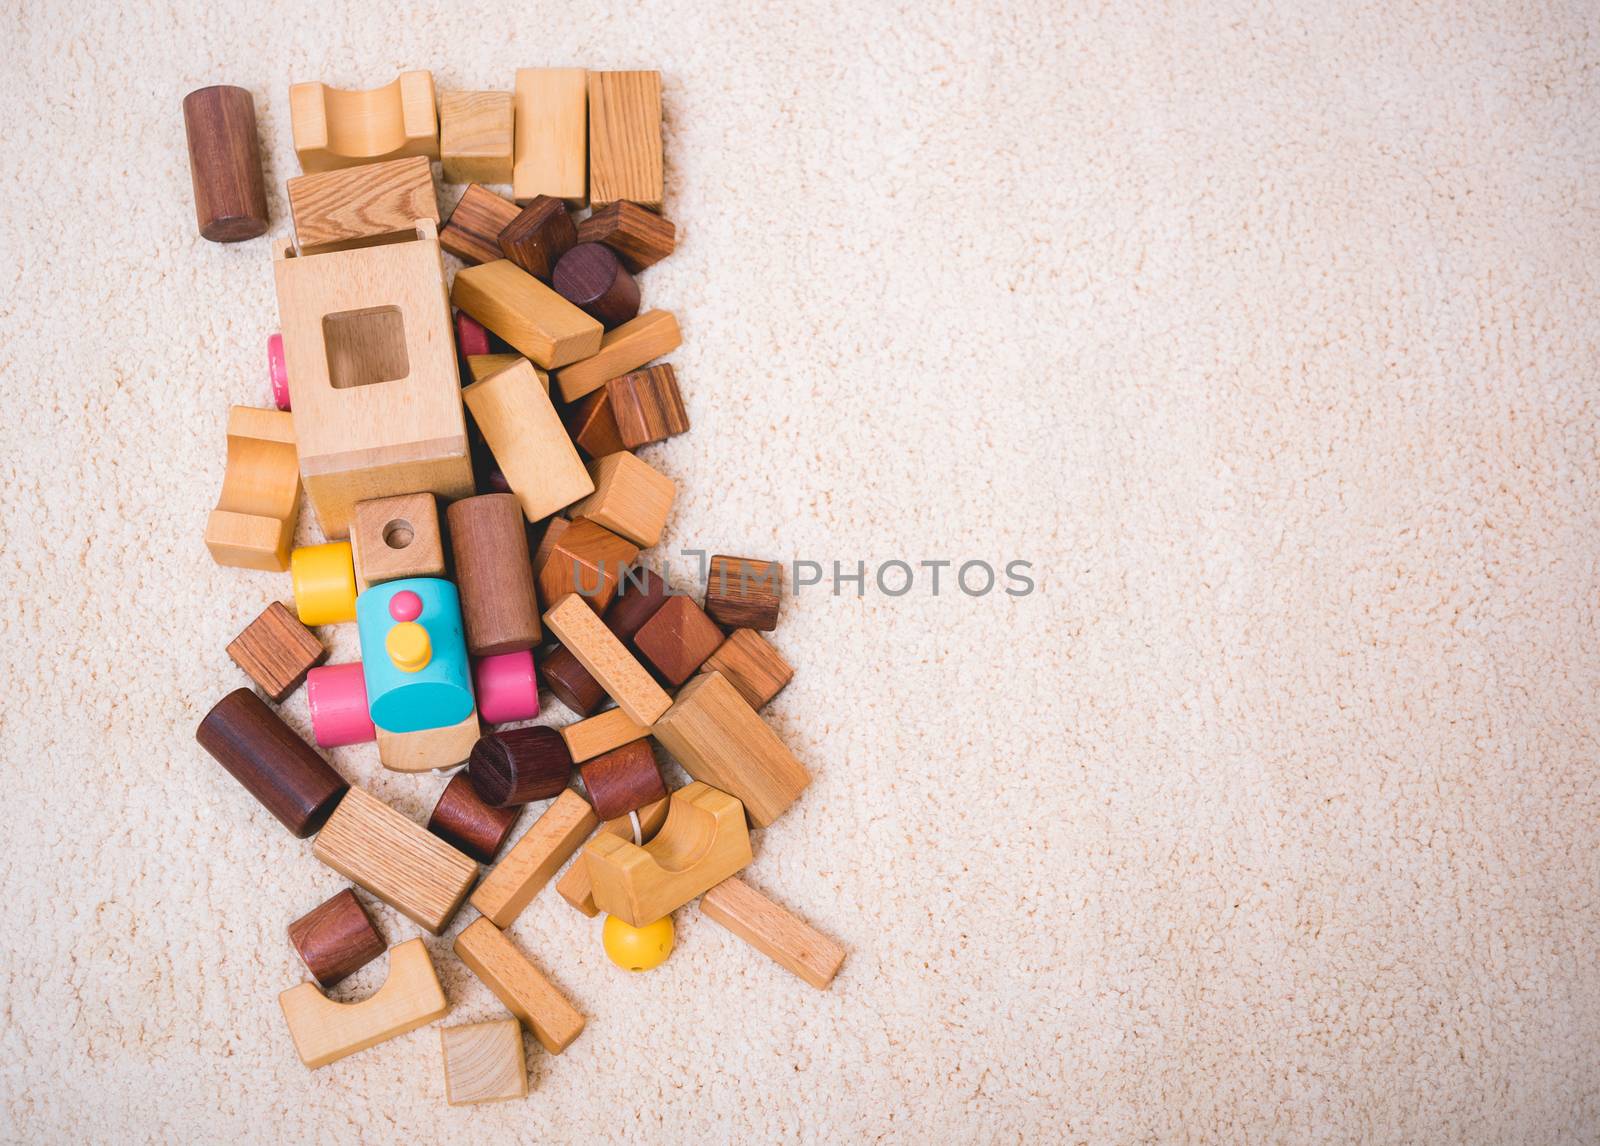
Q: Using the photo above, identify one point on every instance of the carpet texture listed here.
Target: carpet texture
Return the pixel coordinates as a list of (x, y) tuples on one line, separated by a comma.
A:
[(1266, 333)]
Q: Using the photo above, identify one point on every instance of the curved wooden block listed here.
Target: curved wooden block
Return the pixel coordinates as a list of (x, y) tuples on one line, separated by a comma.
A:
[(703, 842), (325, 1031), (253, 524), (336, 128)]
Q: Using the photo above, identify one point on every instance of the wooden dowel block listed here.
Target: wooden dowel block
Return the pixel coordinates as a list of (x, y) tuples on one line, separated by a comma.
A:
[(336, 938), (475, 136), (720, 739), (377, 848), (337, 698), (592, 278), (427, 749), (598, 650), (253, 524), (623, 780), (752, 665), (520, 985), (527, 314), (518, 420), (324, 581), (540, 234), (325, 1031), (472, 233), (575, 887), (483, 1062), (514, 766), (494, 573), (646, 406), (628, 347), (775, 931), (466, 823), (743, 593), (640, 237), (570, 682), (361, 206), (275, 766), (597, 735), (230, 199), (552, 147), (592, 426), (625, 138), (392, 538), (277, 651), (631, 498), (677, 640), (587, 559), (513, 882), (336, 128)]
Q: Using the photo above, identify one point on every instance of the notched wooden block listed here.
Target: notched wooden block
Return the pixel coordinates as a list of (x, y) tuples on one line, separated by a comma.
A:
[(483, 1062), (276, 651), (254, 521), (325, 1031), (752, 665), (335, 128), (361, 206), (475, 136), (640, 237), (639, 827), (472, 233)]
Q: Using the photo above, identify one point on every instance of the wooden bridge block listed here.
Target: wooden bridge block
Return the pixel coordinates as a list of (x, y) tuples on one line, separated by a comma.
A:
[(519, 985), (598, 650), (625, 138), (552, 147), (472, 233), (628, 347), (529, 315), (513, 411), (336, 128), (475, 136), (253, 524), (277, 651), (576, 888), (774, 931), (361, 206), (513, 882), (483, 1062), (640, 237), (325, 1031), (631, 497), (751, 665)]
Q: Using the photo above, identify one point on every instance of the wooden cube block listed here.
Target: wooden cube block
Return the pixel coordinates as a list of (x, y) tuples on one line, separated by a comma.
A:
[(774, 931), (513, 411), (361, 206), (527, 314), (598, 650), (752, 665), (537, 238), (277, 651), (743, 593), (677, 641), (475, 136), (392, 538), (552, 151), (587, 559), (472, 233), (534, 859), (646, 406), (592, 426), (519, 985), (628, 347), (554, 529), (625, 138), (483, 1062), (630, 498), (640, 237)]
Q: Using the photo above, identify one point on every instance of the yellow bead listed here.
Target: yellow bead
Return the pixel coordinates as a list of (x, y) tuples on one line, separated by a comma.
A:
[(409, 647), (637, 948), (324, 578)]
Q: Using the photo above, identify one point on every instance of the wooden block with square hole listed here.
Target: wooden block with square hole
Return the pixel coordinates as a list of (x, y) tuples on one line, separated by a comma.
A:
[(325, 1031), (483, 1062), (527, 314), (628, 347), (631, 497), (335, 128), (552, 146), (520, 985), (534, 859), (361, 206), (776, 932), (640, 237), (513, 411), (575, 887), (254, 521), (625, 138), (603, 655), (428, 749), (752, 665), (472, 233), (475, 136), (587, 559), (743, 593), (392, 538), (277, 651)]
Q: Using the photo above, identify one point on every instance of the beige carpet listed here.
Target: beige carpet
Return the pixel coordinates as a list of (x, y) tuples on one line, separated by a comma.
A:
[(1267, 333)]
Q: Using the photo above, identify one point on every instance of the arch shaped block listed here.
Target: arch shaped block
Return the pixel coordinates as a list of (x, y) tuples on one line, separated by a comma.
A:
[(336, 128), (325, 1031), (253, 524)]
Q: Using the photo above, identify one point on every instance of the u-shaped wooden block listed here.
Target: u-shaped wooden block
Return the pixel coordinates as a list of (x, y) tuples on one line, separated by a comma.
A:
[(703, 842), (253, 524), (325, 1031), (335, 128)]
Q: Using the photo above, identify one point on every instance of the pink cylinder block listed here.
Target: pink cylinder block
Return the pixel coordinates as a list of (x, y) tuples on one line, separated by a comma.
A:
[(278, 371), (506, 686), (337, 695), (471, 337)]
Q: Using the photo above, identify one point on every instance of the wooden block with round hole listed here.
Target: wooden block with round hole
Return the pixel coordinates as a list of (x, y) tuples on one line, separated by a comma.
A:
[(640, 237), (598, 650), (336, 938), (325, 1031), (752, 665), (520, 985), (510, 767), (775, 931), (513, 882), (499, 609), (625, 138), (277, 651), (540, 234), (472, 233), (462, 820), (483, 1062), (529, 315), (645, 406), (628, 347), (514, 412), (743, 593), (631, 498), (677, 640), (475, 136), (593, 279), (361, 206), (587, 559), (623, 780), (599, 734), (574, 885), (392, 538)]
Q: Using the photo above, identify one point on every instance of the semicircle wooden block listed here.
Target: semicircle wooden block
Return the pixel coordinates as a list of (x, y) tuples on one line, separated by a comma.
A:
[(336, 128), (326, 1031), (253, 524), (703, 842)]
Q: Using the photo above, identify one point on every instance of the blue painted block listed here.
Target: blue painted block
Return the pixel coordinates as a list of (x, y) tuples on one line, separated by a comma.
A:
[(435, 695)]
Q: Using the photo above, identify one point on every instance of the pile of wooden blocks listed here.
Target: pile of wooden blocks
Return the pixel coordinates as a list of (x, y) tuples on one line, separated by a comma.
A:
[(531, 575)]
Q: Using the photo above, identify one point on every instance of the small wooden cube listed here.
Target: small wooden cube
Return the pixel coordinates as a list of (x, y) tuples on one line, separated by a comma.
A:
[(646, 406), (676, 642), (752, 665), (483, 1062), (743, 593), (640, 237), (473, 232), (630, 497), (554, 529), (475, 136), (392, 538), (540, 234), (593, 427), (277, 651), (586, 559)]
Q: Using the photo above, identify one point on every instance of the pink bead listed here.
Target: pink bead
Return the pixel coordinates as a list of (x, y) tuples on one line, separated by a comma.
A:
[(278, 371), (337, 695), (471, 337), (405, 606), (506, 686)]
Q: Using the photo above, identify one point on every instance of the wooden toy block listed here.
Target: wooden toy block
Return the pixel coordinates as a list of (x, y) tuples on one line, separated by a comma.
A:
[(628, 347), (323, 578), (392, 538), (625, 138), (361, 206), (514, 766), (552, 148), (570, 682), (337, 698), (774, 931), (743, 593), (592, 426), (230, 199), (335, 938), (325, 1031), (677, 640), (494, 573), (520, 985), (471, 337), (418, 675), (641, 592), (427, 749), (623, 780), (506, 686), (640, 237), (513, 882), (641, 827), (272, 763), (475, 136), (483, 1062), (253, 524), (587, 559), (592, 278), (597, 735), (514, 412), (553, 531), (718, 738), (377, 396), (376, 848), (539, 236), (750, 663), (276, 651), (277, 372), (472, 233), (336, 128), (469, 825), (529, 315), (646, 406), (481, 366), (703, 842), (598, 650), (631, 497)]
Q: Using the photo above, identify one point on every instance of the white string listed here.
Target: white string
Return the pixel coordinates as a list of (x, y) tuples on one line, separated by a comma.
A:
[(638, 831)]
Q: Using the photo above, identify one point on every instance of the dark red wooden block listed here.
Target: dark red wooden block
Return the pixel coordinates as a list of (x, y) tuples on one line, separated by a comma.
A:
[(592, 278), (623, 780), (336, 938), (520, 764), (464, 821), (275, 766)]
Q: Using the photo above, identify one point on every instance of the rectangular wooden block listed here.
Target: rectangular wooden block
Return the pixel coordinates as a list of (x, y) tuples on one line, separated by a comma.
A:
[(519, 985), (472, 233), (513, 411), (628, 347), (631, 498), (575, 886), (776, 932), (752, 665), (428, 749), (646, 406), (625, 680), (720, 739), (599, 734), (277, 651), (527, 314), (361, 206), (640, 237), (392, 538), (475, 136), (483, 1062), (625, 138), (552, 147), (375, 847), (513, 882), (481, 366)]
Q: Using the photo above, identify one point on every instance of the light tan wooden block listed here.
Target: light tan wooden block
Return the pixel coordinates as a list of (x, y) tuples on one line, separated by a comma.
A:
[(430, 749), (717, 737), (552, 152), (597, 735), (336, 128), (361, 206), (520, 985), (703, 842), (631, 498), (526, 313), (412, 870), (625, 138), (475, 136), (512, 409), (513, 882), (481, 366), (774, 931), (325, 1031), (612, 666), (576, 888), (370, 353), (392, 538), (253, 524), (483, 1062), (628, 347)]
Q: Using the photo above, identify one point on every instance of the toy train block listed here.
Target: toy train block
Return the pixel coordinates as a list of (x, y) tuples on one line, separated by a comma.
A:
[(230, 198), (520, 985), (377, 395), (277, 651), (751, 665), (552, 148), (625, 138), (607, 660), (337, 698), (324, 581), (483, 1062), (335, 128), (641, 827), (325, 1031), (271, 762), (414, 655), (278, 373), (530, 316), (428, 749), (774, 931), (513, 411), (475, 136), (396, 537), (628, 347), (336, 938), (631, 498), (253, 524), (640, 237), (513, 882), (361, 206)]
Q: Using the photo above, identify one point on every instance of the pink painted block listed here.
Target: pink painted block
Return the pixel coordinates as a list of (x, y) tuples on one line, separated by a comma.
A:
[(471, 337), (337, 695), (506, 686), (278, 371)]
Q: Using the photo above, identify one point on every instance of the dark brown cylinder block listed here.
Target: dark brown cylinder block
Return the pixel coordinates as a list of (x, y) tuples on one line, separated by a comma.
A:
[(230, 200), (464, 821), (570, 682), (275, 766), (498, 607), (592, 278), (336, 938), (623, 780), (512, 767)]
